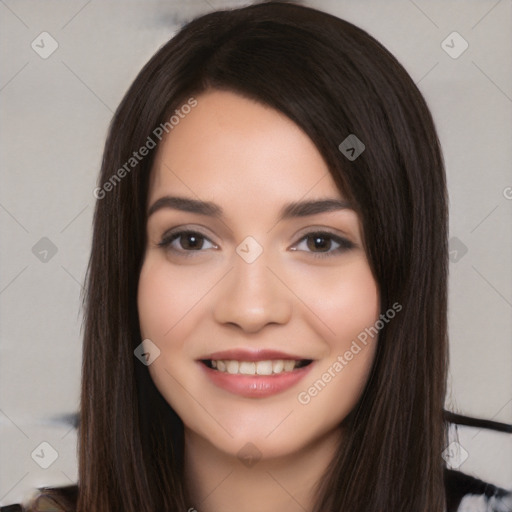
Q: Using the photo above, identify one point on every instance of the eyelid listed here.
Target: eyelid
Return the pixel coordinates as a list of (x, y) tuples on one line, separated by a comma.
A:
[(335, 233), (187, 228), (324, 229)]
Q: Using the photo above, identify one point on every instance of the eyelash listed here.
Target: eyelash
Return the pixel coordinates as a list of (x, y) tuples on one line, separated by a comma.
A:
[(344, 244)]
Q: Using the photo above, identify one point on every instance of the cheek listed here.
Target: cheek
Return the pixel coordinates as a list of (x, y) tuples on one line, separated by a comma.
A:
[(165, 303), (346, 304), (167, 298), (153, 302), (344, 300), (171, 305)]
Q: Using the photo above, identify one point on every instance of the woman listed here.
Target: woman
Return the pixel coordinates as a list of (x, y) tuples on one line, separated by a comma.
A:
[(266, 302)]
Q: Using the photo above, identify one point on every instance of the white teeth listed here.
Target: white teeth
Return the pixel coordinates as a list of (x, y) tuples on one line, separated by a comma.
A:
[(232, 366), (247, 368), (254, 367), (278, 366), (265, 367), (289, 365)]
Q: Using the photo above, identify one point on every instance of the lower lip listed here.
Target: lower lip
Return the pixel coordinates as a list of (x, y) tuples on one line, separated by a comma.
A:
[(256, 386)]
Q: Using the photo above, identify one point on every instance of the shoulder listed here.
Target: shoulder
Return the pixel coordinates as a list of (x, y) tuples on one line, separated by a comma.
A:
[(465, 493), (48, 499)]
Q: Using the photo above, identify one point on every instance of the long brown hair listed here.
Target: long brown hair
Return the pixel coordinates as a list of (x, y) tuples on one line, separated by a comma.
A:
[(332, 79)]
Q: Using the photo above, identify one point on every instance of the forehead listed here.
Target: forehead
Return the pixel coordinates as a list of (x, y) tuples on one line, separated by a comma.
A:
[(234, 149)]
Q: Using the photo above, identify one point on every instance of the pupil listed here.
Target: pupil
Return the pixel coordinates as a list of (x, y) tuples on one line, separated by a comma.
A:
[(191, 241), (319, 243)]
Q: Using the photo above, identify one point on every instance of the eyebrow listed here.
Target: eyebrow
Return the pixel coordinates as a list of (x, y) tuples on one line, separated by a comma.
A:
[(290, 210)]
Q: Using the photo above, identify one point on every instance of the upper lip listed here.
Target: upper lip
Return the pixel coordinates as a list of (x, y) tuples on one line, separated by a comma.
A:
[(251, 355)]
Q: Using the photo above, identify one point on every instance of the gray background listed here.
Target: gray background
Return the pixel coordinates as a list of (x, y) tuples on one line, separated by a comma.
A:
[(54, 117)]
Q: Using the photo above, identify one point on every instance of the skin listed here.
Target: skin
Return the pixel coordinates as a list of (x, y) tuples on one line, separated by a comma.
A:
[(251, 160)]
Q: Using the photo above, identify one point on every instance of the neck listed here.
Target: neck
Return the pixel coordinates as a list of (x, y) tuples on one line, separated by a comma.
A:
[(216, 481)]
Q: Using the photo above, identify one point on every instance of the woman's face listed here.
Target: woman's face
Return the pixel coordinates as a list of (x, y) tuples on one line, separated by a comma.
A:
[(253, 266)]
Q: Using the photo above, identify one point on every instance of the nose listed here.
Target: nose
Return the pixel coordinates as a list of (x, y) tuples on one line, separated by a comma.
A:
[(251, 297)]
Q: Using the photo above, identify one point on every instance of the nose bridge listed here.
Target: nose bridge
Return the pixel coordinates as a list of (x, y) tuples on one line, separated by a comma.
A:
[(251, 296)]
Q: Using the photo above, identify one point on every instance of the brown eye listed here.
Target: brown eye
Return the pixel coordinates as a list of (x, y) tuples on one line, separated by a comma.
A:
[(319, 243), (190, 241), (185, 241), (324, 244)]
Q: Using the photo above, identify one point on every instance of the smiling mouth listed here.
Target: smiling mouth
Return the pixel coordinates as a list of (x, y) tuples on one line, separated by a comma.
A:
[(263, 368)]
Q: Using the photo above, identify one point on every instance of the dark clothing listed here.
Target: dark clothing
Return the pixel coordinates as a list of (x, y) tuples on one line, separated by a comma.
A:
[(464, 493)]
